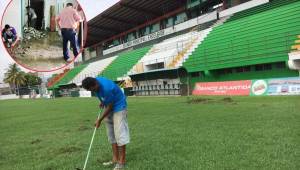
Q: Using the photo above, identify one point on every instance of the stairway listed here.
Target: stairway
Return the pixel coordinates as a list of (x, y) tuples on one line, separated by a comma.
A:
[(182, 56), (294, 56)]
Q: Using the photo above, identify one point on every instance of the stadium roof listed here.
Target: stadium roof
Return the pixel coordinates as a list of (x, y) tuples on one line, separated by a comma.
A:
[(126, 15)]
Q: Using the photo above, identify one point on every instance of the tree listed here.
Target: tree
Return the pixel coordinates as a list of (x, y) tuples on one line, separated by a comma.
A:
[(32, 80), (14, 77)]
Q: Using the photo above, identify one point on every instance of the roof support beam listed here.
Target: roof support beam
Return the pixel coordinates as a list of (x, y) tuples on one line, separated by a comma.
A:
[(120, 20), (94, 35), (141, 10), (177, 11), (108, 29)]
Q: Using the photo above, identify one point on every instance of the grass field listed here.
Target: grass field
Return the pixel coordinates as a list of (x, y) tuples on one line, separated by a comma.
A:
[(166, 133)]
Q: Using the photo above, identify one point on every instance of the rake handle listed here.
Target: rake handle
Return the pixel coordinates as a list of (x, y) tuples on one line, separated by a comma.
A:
[(88, 154)]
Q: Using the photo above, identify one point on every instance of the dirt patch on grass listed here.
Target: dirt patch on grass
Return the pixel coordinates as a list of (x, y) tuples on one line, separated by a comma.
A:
[(68, 149), (83, 128), (49, 168), (36, 141), (198, 100), (227, 100)]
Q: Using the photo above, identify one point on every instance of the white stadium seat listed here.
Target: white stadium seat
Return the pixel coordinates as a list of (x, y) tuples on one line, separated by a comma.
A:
[(93, 69)]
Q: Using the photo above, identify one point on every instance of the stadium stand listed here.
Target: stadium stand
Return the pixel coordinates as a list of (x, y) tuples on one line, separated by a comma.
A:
[(252, 37), (273, 4), (123, 63), (296, 47), (69, 76), (93, 69), (294, 55), (258, 42), (169, 53), (56, 78)]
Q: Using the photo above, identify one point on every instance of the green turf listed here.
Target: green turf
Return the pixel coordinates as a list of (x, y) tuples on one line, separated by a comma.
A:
[(166, 133)]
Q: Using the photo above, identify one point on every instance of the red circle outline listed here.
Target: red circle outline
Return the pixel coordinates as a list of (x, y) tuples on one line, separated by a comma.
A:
[(67, 64)]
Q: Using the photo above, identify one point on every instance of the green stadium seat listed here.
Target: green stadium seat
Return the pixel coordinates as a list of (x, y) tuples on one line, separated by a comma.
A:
[(70, 75), (259, 35), (125, 61)]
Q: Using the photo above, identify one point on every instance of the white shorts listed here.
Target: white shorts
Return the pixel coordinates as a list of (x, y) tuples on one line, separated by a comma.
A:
[(117, 128)]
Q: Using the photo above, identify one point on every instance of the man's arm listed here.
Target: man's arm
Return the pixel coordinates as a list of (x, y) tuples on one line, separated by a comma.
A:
[(33, 12), (77, 17), (57, 21), (106, 112), (14, 31)]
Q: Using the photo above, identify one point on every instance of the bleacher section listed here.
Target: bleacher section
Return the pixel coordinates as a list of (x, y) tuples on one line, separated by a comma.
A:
[(263, 34), (69, 76), (262, 8), (170, 53), (57, 78), (122, 64), (252, 44), (93, 69), (294, 56), (296, 47)]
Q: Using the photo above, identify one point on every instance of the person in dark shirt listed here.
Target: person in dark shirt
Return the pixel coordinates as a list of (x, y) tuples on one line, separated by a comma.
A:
[(9, 35)]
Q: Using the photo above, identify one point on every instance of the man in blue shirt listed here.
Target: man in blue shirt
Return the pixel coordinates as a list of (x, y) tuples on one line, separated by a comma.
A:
[(115, 116)]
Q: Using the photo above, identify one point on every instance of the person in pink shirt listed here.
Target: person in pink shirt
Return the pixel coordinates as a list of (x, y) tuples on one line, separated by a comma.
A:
[(68, 21)]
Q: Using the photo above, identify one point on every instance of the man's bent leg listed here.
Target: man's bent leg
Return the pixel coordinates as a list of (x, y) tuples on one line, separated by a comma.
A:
[(5, 38), (121, 130), (111, 138), (122, 154), (65, 45), (74, 43), (115, 153)]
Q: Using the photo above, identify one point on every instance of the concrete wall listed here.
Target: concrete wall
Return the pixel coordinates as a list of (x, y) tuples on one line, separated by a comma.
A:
[(6, 97)]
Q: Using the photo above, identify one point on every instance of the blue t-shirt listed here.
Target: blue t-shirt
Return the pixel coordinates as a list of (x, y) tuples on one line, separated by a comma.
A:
[(110, 92)]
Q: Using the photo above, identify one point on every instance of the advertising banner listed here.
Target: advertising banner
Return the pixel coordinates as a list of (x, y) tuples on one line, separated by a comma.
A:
[(259, 87), (281, 86), (233, 88), (263, 87)]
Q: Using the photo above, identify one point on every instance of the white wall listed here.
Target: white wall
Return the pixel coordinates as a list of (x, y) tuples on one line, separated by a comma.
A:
[(10, 96), (84, 93)]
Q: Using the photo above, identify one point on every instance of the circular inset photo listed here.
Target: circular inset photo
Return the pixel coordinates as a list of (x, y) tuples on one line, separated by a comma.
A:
[(43, 35)]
